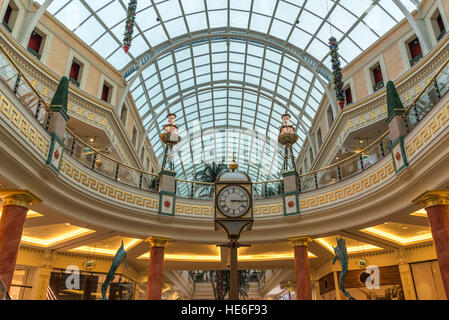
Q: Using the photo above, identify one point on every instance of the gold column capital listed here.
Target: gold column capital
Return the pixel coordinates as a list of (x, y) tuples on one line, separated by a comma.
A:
[(18, 197), (300, 241), (433, 198), (157, 241)]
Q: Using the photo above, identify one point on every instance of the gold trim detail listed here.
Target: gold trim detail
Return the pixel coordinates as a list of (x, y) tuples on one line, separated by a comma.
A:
[(300, 241), (433, 198), (109, 190), (20, 198), (157, 241), (188, 209), (23, 125), (350, 189), (432, 126)]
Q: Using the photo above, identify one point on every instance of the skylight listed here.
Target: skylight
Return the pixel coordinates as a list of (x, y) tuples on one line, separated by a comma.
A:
[(228, 67)]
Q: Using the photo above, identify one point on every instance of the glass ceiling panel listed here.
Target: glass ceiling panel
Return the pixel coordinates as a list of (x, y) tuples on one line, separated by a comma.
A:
[(200, 76)]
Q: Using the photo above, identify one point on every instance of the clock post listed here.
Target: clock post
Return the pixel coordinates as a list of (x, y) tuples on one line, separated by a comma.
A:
[(233, 213)]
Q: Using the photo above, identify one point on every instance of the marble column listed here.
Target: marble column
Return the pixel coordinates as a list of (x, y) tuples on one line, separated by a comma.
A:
[(156, 267), (302, 268), (15, 208), (436, 204)]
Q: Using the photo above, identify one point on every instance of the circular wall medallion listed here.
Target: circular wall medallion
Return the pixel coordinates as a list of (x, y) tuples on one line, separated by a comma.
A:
[(56, 154), (290, 204), (167, 203), (398, 156)]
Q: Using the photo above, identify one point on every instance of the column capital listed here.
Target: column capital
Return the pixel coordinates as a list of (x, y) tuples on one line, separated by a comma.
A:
[(300, 241), (157, 241), (433, 198), (18, 197)]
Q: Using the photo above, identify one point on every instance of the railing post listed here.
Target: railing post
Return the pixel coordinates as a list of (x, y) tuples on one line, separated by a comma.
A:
[(316, 181), (117, 168), (361, 161), (416, 113), (140, 180), (191, 189), (94, 159), (382, 150), (406, 123), (48, 121), (299, 185), (437, 89), (38, 109), (339, 172), (16, 86), (72, 148)]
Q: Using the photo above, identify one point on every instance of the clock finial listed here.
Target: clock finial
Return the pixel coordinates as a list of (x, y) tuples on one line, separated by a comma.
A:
[(233, 165)]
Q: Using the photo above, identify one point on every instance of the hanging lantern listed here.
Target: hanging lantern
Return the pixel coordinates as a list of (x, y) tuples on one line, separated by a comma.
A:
[(169, 136)]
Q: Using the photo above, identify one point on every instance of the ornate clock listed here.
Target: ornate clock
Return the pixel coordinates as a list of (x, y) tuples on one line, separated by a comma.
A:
[(233, 202)]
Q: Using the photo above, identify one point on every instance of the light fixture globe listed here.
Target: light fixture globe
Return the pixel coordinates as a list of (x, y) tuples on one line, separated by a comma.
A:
[(287, 136), (170, 136)]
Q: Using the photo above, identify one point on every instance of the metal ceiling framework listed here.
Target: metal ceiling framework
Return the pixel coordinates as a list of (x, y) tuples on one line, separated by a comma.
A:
[(232, 64)]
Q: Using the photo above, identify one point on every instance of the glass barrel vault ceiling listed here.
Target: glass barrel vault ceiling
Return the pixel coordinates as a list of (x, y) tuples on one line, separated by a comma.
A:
[(232, 65)]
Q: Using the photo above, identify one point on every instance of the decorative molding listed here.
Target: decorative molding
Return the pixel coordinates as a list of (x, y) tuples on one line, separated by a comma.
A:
[(106, 189)]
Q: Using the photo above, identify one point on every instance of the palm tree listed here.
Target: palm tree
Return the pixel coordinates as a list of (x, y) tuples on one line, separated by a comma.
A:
[(221, 284), (210, 173)]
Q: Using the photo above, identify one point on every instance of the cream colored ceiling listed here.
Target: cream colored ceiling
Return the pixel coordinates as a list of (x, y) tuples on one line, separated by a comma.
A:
[(95, 241)]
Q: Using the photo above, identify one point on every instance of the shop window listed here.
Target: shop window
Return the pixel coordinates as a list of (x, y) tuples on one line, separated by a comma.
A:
[(124, 113), (75, 72), (319, 138), (438, 26), (348, 95), (35, 44), (10, 17), (414, 51), (377, 78), (330, 116), (134, 136), (311, 156), (106, 92)]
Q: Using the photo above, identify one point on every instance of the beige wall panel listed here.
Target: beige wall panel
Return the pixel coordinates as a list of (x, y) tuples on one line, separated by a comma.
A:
[(393, 61), (57, 56), (360, 84), (93, 81)]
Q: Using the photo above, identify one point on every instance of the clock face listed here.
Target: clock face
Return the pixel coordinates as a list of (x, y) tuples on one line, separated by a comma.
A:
[(233, 201)]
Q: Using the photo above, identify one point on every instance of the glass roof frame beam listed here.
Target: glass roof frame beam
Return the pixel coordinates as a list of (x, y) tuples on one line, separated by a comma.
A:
[(418, 27), (35, 18), (331, 97), (354, 25), (225, 127), (209, 87)]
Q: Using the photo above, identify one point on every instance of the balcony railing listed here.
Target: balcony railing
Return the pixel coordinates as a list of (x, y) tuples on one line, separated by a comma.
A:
[(6, 26), (36, 54), (415, 59), (378, 86), (441, 35), (75, 82)]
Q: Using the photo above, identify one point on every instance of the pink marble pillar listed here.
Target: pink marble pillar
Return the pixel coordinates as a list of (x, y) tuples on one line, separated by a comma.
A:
[(302, 268), (436, 204), (439, 224), (15, 208), (156, 268), (11, 227)]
